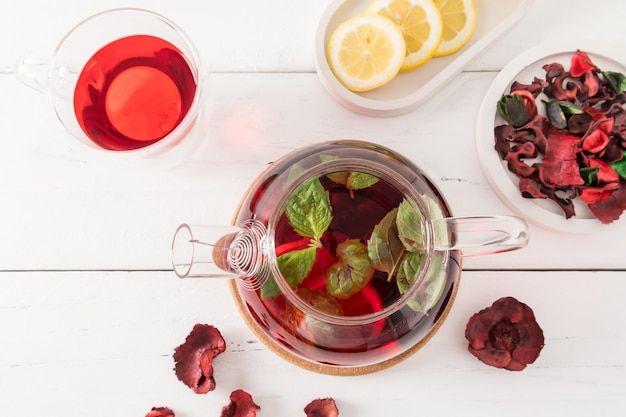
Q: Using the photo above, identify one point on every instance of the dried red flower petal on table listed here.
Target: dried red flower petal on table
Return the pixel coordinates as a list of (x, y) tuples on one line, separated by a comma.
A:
[(505, 335), (241, 405), (160, 412), (322, 407), (194, 358)]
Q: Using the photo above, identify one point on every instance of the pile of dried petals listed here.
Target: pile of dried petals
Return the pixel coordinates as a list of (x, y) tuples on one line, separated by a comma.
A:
[(577, 149), (505, 335)]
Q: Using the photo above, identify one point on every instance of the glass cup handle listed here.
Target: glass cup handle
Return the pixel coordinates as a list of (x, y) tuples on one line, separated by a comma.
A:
[(32, 70), (480, 235)]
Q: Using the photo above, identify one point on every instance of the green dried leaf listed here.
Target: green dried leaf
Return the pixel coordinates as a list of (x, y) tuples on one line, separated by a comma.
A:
[(352, 273), (308, 209), (616, 80), (619, 167), (513, 110), (556, 115), (384, 247), (590, 175), (559, 110)]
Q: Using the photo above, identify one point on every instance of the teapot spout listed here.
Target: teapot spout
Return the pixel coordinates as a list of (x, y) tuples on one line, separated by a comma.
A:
[(480, 235), (236, 252)]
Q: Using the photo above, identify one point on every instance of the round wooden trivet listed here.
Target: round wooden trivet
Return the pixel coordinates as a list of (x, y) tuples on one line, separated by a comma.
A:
[(327, 369)]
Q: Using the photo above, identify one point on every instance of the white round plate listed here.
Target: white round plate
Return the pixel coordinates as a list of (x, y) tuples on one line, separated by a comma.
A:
[(409, 89), (524, 68)]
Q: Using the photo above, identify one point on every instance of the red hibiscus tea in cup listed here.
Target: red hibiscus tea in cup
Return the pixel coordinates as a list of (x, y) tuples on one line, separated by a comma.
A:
[(133, 92)]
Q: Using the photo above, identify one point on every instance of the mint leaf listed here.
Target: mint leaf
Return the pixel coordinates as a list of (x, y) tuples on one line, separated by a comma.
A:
[(431, 289), (409, 221), (619, 167), (296, 265), (339, 177), (352, 180), (407, 270), (352, 273), (384, 247), (308, 209), (440, 229), (270, 288), (360, 180), (295, 171)]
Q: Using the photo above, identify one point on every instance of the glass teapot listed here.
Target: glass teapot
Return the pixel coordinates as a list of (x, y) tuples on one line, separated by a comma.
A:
[(345, 255)]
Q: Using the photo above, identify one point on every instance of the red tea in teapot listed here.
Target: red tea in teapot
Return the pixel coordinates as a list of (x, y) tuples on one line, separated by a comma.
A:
[(133, 92), (349, 245)]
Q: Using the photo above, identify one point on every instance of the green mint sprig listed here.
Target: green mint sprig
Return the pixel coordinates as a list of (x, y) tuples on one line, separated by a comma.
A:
[(309, 212), (397, 248)]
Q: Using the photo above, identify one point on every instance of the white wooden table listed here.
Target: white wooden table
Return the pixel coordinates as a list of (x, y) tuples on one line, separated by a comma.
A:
[(90, 310)]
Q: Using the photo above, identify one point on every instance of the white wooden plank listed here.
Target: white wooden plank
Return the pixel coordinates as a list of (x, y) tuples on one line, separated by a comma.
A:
[(278, 36), (86, 343), (63, 209)]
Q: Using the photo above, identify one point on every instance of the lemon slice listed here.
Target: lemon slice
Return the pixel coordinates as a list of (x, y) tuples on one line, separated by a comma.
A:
[(421, 26), (365, 52), (459, 22)]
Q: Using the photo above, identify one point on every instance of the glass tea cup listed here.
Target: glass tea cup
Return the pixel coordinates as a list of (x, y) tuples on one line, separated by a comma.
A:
[(124, 81), (345, 255)]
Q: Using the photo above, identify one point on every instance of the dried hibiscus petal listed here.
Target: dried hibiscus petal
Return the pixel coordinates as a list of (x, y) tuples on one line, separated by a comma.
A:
[(611, 208), (323, 407), (241, 405), (194, 358), (581, 64), (505, 335), (530, 188), (594, 195), (595, 141), (566, 204), (515, 156), (160, 412), (559, 166), (605, 172)]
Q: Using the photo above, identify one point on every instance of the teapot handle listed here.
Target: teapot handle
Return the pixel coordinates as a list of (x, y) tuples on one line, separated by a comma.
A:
[(480, 235)]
